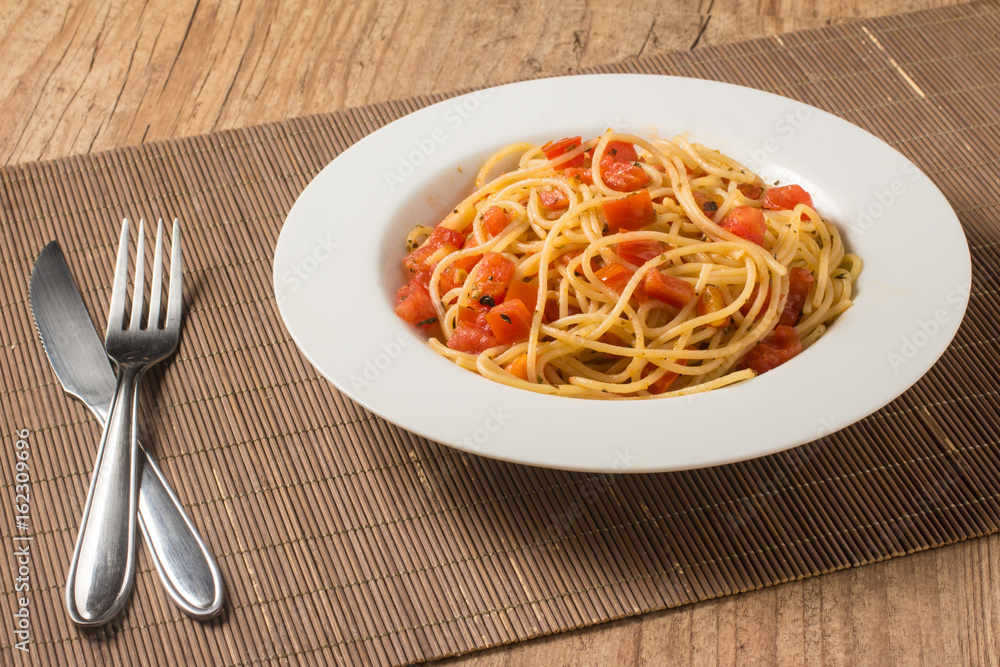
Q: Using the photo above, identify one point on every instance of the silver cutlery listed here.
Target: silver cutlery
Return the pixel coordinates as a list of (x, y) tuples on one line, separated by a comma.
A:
[(183, 561), (102, 569)]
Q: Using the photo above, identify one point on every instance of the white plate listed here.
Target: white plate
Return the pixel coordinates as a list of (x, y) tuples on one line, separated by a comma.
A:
[(336, 270)]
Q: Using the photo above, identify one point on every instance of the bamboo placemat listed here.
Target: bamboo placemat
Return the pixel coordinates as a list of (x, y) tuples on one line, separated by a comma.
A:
[(343, 538)]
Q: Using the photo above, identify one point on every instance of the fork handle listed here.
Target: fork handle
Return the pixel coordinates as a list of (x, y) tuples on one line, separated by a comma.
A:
[(102, 571)]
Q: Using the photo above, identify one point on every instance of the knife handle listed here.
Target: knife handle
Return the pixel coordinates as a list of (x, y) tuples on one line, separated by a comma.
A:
[(188, 571)]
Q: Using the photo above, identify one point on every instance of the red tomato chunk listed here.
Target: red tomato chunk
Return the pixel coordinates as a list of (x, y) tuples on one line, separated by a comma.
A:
[(526, 293), (660, 386), (414, 304), (745, 308), (631, 213), (427, 255), (554, 199), (787, 197), (495, 220), (474, 313), (493, 275), (639, 252), (554, 149), (468, 337), (781, 345), (621, 151), (583, 175), (800, 281), (670, 290), (746, 222), (622, 176), (510, 322), (445, 236), (615, 276)]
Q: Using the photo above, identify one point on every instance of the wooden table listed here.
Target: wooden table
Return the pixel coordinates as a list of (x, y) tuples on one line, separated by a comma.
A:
[(105, 75)]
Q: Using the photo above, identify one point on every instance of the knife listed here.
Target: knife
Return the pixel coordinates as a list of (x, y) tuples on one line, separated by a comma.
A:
[(188, 571)]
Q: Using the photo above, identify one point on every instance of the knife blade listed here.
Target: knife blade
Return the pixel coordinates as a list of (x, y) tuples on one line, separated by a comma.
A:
[(75, 351)]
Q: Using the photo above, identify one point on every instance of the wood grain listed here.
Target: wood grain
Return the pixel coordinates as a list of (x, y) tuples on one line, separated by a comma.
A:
[(100, 75)]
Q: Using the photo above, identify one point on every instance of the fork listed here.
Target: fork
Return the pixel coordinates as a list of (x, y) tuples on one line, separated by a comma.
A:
[(102, 570)]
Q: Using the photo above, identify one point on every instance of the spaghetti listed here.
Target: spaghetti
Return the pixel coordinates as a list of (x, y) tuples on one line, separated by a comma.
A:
[(625, 268)]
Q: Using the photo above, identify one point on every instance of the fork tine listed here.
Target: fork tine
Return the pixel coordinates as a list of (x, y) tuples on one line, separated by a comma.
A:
[(176, 279), (139, 281), (156, 288), (116, 311)]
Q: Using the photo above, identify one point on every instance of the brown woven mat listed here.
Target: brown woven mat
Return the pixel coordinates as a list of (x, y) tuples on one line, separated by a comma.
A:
[(342, 538)]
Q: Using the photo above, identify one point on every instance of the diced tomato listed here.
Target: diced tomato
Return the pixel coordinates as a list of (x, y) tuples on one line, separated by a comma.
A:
[(451, 277), (746, 222), (467, 263), (750, 190), (745, 308), (615, 276), (712, 301), (470, 240), (565, 258), (444, 236), (708, 205), (553, 199), (474, 313), (414, 304), (660, 386), (470, 338), (554, 149), (632, 212), (781, 345), (611, 338), (621, 151), (800, 281), (787, 197), (510, 321), (622, 176), (670, 290), (495, 220), (639, 252), (551, 311), (493, 275), (427, 255), (416, 261), (526, 293), (519, 367), (584, 175)]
